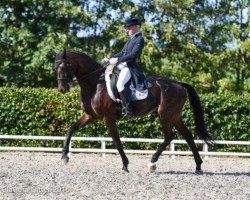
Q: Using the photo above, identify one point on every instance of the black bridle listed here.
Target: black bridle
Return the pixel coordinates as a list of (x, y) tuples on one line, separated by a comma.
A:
[(66, 76), (69, 76)]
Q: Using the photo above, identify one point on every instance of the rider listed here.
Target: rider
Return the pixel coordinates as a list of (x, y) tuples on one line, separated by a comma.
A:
[(126, 60)]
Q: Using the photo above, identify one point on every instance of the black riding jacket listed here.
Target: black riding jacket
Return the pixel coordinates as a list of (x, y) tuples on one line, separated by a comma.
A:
[(130, 52)]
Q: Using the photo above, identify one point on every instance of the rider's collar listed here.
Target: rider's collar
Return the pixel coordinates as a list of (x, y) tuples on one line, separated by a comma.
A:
[(131, 36)]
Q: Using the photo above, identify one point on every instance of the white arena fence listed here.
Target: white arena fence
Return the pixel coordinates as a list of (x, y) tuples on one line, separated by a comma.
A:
[(104, 150)]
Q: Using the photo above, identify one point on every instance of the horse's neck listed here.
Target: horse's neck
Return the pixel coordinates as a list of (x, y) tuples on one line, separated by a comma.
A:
[(84, 66), (87, 94), (89, 71), (83, 69), (87, 80), (82, 63)]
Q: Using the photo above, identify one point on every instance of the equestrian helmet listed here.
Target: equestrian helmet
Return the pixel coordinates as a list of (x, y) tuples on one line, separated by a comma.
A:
[(131, 22)]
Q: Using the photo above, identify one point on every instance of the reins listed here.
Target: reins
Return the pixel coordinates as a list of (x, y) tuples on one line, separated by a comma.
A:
[(88, 76), (69, 72)]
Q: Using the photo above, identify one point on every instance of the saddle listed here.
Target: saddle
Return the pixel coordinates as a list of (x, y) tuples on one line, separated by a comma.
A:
[(111, 77)]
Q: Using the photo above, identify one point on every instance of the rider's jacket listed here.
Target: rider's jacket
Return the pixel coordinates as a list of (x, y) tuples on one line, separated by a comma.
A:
[(129, 53)]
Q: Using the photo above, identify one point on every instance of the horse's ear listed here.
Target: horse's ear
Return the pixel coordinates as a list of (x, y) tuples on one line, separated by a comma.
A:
[(53, 53)]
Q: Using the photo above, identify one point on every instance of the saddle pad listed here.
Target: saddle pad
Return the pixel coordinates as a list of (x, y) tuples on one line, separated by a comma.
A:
[(139, 95), (135, 94)]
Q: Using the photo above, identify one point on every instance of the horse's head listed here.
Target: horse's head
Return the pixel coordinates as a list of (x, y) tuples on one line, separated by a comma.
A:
[(64, 72)]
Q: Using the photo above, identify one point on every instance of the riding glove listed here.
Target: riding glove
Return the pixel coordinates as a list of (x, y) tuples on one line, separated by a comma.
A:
[(104, 60), (113, 61)]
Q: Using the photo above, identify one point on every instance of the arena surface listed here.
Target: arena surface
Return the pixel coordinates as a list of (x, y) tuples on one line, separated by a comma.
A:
[(90, 176)]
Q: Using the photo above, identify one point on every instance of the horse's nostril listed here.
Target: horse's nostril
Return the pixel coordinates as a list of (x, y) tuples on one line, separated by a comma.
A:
[(61, 90)]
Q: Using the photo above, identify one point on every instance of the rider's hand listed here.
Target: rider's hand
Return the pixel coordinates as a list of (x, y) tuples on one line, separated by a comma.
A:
[(104, 60), (113, 61)]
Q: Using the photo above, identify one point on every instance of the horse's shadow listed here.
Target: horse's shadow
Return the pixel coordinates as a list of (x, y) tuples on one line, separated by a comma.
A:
[(207, 173)]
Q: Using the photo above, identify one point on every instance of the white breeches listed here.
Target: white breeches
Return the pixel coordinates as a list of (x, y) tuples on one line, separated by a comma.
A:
[(124, 76)]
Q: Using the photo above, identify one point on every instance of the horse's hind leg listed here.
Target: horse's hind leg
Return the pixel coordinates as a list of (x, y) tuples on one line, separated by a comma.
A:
[(180, 126), (80, 122), (168, 137)]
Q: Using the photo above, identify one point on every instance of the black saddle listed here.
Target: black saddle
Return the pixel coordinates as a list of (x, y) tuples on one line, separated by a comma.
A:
[(130, 85)]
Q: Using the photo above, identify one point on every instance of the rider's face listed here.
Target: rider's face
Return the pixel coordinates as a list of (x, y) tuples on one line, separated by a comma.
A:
[(132, 29)]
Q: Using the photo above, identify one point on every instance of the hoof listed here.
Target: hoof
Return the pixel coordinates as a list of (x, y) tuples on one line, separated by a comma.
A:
[(65, 159), (152, 167), (125, 169), (198, 171)]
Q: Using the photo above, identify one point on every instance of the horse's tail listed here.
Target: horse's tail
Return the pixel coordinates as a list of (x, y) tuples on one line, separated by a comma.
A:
[(198, 113)]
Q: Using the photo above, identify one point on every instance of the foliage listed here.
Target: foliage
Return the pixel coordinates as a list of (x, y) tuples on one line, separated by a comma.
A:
[(203, 42), (29, 111), (30, 30)]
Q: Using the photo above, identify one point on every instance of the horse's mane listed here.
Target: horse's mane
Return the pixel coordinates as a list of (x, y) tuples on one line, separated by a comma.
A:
[(77, 52), (85, 56)]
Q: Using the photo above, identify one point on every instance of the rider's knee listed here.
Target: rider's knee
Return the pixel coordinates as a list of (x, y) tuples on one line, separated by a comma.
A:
[(122, 65), (120, 86)]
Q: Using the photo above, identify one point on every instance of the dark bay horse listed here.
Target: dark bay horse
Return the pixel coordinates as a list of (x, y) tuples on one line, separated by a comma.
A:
[(167, 100)]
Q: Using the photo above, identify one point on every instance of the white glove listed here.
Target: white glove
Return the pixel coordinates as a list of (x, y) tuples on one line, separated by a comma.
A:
[(104, 60), (113, 61)]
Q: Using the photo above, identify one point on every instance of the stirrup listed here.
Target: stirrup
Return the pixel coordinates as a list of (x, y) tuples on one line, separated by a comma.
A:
[(126, 114)]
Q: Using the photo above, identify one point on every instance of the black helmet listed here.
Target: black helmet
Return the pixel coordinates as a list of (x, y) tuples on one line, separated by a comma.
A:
[(131, 22)]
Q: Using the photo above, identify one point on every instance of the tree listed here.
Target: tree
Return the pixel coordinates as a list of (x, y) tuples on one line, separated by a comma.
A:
[(205, 43), (30, 29), (194, 38)]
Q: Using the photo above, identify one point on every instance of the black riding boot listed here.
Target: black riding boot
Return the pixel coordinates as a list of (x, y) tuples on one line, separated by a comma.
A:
[(126, 106)]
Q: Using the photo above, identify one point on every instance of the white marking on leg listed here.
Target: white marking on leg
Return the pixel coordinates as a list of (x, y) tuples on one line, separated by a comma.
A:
[(152, 167)]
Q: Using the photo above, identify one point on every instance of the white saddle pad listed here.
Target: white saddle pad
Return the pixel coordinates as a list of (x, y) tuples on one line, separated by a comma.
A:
[(135, 95)]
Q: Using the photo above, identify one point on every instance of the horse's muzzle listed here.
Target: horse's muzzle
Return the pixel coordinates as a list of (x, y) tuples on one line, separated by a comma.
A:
[(63, 90)]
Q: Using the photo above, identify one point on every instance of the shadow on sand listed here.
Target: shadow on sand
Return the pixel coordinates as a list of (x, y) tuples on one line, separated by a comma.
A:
[(207, 173)]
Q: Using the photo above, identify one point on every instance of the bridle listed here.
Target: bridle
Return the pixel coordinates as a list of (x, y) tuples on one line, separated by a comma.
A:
[(68, 76)]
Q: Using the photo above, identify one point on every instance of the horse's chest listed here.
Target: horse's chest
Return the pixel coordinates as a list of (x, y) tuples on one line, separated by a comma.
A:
[(97, 103), (86, 106)]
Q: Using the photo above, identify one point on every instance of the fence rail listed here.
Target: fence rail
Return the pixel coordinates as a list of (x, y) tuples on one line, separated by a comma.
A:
[(104, 150)]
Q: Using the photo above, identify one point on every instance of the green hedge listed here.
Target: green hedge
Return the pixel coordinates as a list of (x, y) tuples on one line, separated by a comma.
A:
[(30, 111)]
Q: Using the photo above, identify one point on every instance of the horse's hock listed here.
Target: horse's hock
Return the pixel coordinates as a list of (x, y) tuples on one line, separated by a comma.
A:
[(90, 176)]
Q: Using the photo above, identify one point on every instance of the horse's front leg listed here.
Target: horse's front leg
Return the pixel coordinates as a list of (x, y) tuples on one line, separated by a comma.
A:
[(85, 119), (112, 128)]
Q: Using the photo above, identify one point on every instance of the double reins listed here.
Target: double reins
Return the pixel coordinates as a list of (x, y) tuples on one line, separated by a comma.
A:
[(69, 72), (89, 76)]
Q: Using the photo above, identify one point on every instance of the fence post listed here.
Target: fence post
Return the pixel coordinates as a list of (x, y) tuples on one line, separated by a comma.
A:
[(172, 150), (205, 150), (103, 147)]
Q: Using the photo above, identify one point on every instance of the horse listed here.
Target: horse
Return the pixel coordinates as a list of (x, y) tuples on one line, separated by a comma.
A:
[(167, 98)]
